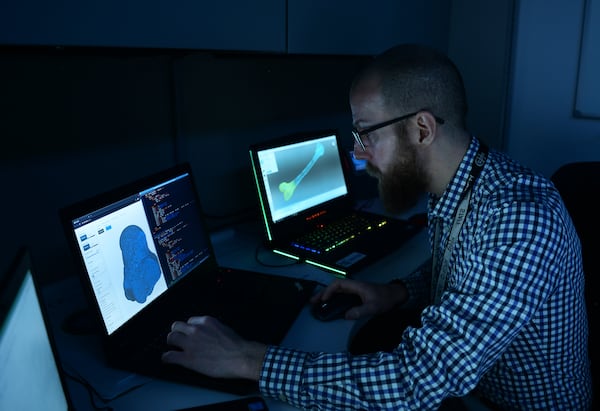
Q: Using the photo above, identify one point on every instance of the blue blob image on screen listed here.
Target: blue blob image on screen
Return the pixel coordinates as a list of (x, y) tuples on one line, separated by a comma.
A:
[(140, 266)]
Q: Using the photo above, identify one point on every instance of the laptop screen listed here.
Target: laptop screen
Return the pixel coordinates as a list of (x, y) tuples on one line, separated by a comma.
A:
[(29, 375), (138, 246), (301, 175)]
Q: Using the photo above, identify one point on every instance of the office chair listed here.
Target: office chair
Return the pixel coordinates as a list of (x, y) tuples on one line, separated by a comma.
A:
[(579, 185)]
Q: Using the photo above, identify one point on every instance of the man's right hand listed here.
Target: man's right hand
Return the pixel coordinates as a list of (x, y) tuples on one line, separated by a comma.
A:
[(376, 298)]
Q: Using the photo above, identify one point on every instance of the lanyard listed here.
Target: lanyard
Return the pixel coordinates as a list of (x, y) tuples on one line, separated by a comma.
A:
[(441, 264)]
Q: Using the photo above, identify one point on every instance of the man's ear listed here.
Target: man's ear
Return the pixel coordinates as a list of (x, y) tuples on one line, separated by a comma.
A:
[(427, 127)]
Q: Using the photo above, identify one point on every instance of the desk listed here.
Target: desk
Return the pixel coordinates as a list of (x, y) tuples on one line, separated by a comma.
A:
[(119, 390)]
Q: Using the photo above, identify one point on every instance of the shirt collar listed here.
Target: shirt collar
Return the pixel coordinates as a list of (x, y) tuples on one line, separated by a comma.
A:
[(444, 206)]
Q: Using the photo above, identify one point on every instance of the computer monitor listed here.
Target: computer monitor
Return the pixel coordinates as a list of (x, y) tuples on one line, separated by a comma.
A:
[(30, 377)]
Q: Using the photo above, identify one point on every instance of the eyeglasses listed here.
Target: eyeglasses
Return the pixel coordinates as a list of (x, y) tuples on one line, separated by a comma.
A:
[(358, 134)]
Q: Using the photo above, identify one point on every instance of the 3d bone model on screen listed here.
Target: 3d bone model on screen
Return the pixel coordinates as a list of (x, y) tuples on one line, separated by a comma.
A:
[(140, 266), (288, 188)]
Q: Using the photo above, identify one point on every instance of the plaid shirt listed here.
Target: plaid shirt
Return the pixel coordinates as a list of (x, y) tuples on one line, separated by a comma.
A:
[(511, 323)]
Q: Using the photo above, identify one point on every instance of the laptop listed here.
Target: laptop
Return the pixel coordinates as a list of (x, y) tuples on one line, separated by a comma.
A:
[(31, 377), (145, 260), (308, 210)]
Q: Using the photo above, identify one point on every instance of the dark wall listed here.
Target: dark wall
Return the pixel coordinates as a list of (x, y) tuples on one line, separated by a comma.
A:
[(220, 25)]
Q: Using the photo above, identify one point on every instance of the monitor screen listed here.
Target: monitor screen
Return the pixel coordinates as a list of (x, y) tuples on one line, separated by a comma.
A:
[(301, 175), (137, 246), (29, 375)]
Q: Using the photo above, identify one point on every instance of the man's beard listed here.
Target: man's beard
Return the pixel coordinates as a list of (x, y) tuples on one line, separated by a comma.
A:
[(400, 187)]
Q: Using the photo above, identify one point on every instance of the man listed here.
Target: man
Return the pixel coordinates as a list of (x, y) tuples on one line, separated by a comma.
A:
[(504, 312)]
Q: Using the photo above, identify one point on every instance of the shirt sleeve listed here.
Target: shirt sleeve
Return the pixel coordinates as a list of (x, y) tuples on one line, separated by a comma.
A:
[(418, 284), (331, 381)]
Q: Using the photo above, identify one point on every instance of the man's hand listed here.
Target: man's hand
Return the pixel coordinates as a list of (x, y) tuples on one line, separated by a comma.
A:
[(209, 347), (376, 298)]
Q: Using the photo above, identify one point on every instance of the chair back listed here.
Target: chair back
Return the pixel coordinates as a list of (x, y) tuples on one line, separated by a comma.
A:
[(579, 185)]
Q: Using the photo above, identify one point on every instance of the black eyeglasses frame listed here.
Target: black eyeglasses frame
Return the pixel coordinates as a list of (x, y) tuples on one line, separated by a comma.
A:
[(357, 134)]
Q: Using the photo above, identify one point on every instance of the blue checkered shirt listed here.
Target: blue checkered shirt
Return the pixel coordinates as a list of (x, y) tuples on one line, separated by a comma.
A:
[(511, 324)]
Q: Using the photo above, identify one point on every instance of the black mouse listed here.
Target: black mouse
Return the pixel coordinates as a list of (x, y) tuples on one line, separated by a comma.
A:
[(335, 307)]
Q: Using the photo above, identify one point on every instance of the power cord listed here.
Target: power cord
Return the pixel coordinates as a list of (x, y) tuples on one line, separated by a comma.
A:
[(94, 395)]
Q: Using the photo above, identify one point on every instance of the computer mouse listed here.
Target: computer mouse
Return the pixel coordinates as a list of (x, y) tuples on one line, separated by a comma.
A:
[(335, 307)]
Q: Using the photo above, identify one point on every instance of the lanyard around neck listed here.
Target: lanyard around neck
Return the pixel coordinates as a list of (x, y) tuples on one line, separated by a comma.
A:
[(441, 264)]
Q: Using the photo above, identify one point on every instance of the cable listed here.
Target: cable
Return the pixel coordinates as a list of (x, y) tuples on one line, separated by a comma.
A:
[(257, 258), (94, 395)]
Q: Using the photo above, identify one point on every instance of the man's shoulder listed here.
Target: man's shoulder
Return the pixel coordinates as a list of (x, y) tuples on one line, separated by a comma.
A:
[(506, 186), (503, 174)]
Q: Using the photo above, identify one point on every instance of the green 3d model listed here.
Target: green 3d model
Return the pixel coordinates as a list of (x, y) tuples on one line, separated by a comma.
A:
[(288, 188)]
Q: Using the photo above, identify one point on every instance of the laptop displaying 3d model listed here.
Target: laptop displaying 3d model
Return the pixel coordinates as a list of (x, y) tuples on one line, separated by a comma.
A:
[(307, 207), (145, 259)]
